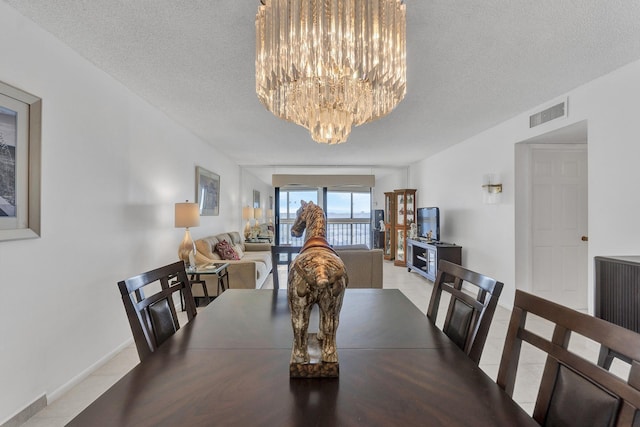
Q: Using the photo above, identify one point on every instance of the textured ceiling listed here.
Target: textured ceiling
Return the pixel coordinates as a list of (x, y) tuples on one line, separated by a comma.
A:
[(470, 65)]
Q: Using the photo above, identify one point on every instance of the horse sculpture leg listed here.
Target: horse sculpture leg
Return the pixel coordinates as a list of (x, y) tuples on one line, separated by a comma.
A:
[(330, 302), (300, 312)]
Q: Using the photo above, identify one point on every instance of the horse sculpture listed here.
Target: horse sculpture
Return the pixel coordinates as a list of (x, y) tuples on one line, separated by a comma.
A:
[(316, 276)]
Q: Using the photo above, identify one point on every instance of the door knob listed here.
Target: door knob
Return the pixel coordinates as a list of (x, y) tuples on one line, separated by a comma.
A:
[(585, 239)]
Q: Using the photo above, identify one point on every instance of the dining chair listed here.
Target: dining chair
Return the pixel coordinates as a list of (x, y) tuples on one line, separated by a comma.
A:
[(573, 390), (468, 318), (153, 318)]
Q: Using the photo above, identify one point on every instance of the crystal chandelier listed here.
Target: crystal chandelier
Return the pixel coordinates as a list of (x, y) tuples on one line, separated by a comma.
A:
[(329, 65)]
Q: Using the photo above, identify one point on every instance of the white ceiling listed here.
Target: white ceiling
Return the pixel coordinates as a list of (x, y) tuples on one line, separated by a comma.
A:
[(471, 65)]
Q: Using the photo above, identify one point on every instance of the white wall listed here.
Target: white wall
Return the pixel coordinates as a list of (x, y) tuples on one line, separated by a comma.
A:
[(250, 182), (452, 179), (112, 169), (392, 181)]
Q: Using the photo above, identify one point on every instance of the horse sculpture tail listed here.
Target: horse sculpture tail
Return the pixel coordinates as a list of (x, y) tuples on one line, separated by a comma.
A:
[(322, 278), (323, 282), (318, 275)]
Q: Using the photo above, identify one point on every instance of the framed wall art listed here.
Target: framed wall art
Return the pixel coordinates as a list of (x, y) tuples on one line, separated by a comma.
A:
[(207, 192), (256, 199), (20, 157)]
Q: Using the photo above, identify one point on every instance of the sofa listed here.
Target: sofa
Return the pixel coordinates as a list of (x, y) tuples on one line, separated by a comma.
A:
[(363, 265), (249, 272)]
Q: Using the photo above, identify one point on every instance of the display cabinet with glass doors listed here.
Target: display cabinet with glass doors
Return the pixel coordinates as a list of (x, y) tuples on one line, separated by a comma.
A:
[(405, 215), (389, 233)]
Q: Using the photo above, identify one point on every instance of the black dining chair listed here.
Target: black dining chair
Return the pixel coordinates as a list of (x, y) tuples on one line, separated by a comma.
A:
[(468, 318), (153, 318), (573, 391)]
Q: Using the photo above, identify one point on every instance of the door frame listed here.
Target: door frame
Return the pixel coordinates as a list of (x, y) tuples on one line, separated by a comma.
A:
[(571, 136)]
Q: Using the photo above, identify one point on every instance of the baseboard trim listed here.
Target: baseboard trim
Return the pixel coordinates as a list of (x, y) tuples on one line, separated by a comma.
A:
[(29, 411), (41, 402), (60, 391)]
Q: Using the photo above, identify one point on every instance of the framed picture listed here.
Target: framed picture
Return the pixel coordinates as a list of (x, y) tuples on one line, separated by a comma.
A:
[(256, 199), (20, 156), (207, 192)]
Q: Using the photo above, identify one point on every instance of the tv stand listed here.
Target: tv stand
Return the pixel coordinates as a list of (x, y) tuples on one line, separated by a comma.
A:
[(423, 257)]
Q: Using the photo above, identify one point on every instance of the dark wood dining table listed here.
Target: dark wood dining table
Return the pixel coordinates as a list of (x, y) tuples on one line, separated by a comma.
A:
[(230, 367)]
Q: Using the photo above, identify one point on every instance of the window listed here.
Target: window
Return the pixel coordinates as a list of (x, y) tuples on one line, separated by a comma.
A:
[(290, 201), (348, 214), (288, 205), (348, 217)]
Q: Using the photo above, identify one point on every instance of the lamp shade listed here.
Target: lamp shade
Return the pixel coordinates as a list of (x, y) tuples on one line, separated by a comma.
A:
[(187, 215), (247, 212), (257, 213)]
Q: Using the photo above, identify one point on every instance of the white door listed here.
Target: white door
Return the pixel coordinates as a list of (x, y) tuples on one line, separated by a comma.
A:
[(559, 223)]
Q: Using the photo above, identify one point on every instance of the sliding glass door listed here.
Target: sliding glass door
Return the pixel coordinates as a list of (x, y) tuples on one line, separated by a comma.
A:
[(288, 203), (348, 213), (348, 217)]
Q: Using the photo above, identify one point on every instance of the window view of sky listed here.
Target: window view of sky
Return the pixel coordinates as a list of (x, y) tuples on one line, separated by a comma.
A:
[(339, 203), (348, 215), (293, 202)]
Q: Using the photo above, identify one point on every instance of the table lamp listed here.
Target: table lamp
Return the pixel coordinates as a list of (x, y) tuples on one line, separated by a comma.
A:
[(247, 214), (257, 214), (187, 215)]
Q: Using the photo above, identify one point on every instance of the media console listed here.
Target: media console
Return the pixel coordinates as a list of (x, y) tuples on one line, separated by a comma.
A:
[(423, 257)]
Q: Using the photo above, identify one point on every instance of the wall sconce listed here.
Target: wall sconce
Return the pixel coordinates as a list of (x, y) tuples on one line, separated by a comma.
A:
[(247, 214), (187, 215), (491, 188)]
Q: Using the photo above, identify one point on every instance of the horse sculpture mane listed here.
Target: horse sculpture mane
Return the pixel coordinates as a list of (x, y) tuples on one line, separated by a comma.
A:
[(316, 276)]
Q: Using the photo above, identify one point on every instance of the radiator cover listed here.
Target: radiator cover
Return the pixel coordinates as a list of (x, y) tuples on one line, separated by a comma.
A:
[(617, 281)]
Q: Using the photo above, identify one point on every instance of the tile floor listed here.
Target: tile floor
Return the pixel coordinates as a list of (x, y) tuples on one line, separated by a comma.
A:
[(416, 288)]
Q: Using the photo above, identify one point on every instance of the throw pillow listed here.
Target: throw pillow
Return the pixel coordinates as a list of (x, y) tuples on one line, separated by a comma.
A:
[(206, 248), (226, 251), (239, 251)]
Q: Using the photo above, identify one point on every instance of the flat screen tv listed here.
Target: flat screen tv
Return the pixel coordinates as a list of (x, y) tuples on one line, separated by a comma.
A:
[(428, 220)]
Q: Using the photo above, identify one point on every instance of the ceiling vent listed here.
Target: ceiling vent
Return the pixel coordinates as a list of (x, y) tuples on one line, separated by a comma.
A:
[(551, 113)]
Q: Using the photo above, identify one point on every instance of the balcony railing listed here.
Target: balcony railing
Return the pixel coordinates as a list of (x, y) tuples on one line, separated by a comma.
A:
[(339, 233)]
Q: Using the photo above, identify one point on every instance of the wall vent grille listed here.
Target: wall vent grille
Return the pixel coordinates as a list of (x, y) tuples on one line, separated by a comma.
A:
[(551, 113)]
